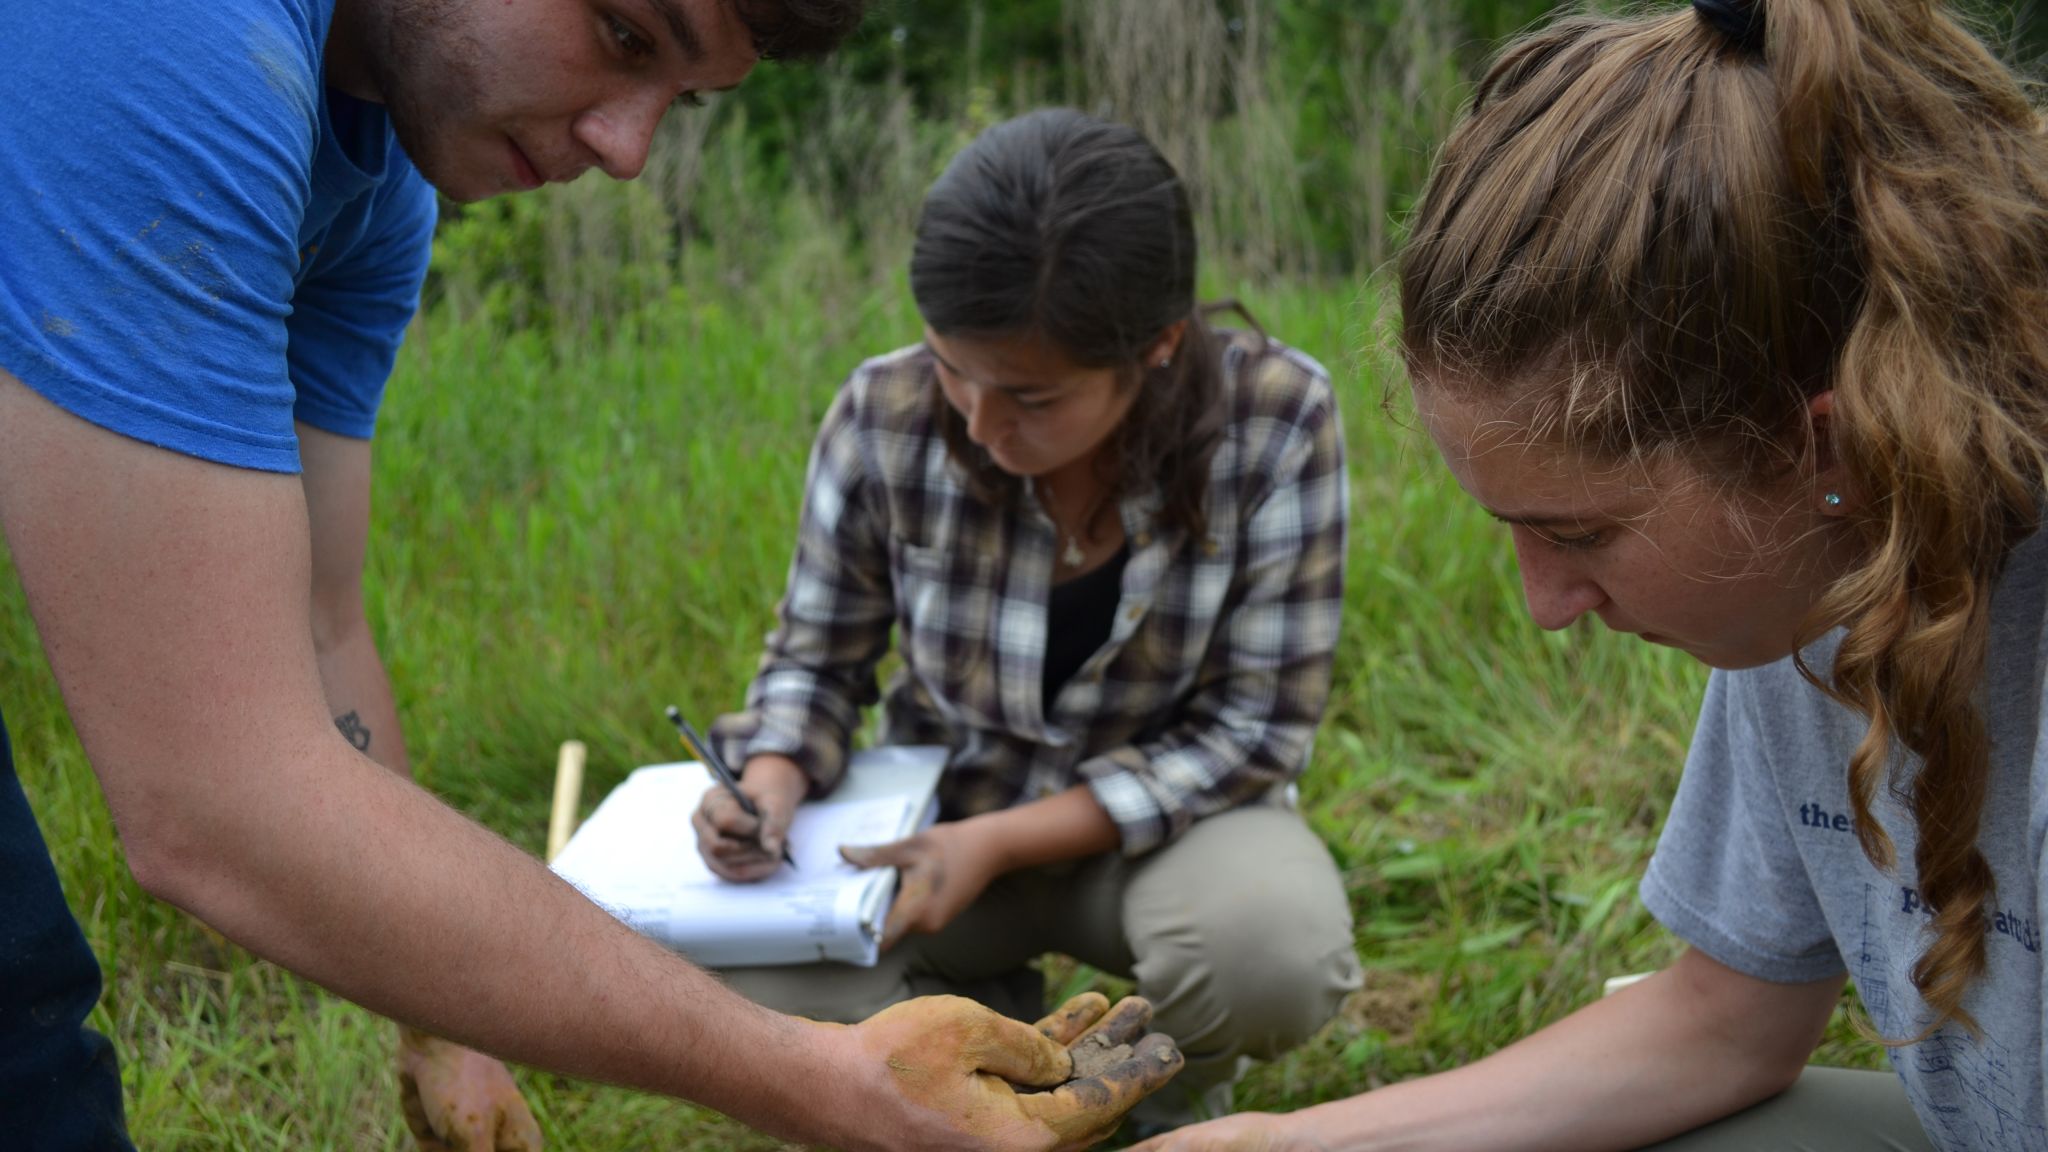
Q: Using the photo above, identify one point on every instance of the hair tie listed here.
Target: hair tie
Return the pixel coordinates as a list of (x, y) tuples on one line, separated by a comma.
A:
[(1741, 21)]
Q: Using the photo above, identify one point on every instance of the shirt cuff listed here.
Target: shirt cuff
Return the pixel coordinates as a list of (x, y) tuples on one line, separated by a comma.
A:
[(743, 735), (1140, 818)]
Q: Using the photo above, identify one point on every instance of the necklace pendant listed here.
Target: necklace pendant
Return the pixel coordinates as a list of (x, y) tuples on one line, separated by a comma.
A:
[(1073, 557)]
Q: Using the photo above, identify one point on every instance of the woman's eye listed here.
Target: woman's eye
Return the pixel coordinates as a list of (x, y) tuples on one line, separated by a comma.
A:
[(1581, 543), (629, 41)]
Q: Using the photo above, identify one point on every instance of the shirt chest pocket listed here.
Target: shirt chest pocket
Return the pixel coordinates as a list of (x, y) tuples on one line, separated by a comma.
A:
[(946, 603)]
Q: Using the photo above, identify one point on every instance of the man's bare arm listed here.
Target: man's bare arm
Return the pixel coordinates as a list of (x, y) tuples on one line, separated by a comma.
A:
[(336, 480), (172, 597), (450, 1095)]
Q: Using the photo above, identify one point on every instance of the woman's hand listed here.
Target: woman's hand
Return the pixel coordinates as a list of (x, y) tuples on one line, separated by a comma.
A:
[(456, 1100), (943, 869), (738, 846), (1244, 1132)]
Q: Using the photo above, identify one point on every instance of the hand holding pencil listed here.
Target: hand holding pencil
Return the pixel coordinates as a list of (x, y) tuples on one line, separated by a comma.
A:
[(742, 826)]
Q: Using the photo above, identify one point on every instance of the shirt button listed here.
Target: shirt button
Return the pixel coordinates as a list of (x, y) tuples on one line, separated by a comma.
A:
[(1134, 612), (1144, 539)]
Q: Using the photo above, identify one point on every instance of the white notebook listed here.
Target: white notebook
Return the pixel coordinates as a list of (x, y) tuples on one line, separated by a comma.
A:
[(637, 857)]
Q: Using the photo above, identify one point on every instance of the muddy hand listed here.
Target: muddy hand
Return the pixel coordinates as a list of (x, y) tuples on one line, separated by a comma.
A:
[(966, 1064), (742, 847), (1244, 1132), (1133, 1064), (942, 871), (456, 1100)]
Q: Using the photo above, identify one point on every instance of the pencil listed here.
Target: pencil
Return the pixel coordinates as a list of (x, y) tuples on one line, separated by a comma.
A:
[(702, 750)]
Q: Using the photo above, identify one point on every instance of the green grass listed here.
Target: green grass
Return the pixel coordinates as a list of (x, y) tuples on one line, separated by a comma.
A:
[(572, 531)]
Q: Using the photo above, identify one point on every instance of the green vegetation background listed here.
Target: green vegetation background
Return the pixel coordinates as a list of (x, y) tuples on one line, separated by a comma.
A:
[(588, 471)]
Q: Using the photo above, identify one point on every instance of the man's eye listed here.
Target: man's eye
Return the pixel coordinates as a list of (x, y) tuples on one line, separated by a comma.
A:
[(630, 42)]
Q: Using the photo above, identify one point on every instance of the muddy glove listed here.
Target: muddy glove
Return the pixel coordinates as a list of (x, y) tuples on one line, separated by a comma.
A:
[(1007, 1085), (738, 846), (457, 1100)]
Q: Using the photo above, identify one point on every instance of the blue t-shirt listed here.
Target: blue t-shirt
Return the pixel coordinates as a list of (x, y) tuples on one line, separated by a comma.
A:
[(199, 244)]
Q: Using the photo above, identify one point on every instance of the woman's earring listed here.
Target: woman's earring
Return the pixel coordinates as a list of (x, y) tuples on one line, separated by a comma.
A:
[(1166, 361), (1832, 499)]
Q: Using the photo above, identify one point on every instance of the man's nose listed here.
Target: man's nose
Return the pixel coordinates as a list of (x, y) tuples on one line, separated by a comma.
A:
[(620, 132), (1556, 592)]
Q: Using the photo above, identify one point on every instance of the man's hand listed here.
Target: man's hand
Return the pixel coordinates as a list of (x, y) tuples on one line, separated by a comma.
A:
[(456, 1100), (738, 846), (944, 869), (975, 1079), (1244, 1132)]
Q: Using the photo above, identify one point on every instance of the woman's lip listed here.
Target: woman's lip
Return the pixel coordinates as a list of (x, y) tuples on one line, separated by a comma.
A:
[(523, 171)]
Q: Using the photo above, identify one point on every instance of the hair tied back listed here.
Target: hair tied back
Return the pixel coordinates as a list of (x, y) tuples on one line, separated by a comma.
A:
[(1741, 21)]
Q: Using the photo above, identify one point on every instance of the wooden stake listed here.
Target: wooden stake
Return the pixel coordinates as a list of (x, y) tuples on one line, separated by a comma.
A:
[(568, 787)]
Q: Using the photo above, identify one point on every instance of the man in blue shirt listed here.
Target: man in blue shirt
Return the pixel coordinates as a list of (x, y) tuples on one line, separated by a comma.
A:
[(213, 231)]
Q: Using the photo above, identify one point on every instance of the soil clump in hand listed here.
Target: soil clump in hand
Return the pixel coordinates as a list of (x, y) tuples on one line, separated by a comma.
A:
[(1096, 1053)]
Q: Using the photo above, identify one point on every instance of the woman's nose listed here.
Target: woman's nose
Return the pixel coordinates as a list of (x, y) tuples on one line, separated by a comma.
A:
[(987, 417), (1556, 591)]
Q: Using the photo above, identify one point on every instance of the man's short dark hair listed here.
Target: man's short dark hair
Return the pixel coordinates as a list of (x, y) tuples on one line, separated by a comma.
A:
[(799, 29)]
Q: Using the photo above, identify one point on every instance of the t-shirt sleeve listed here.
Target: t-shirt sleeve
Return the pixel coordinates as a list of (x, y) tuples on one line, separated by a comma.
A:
[(352, 309), (157, 169), (1727, 877)]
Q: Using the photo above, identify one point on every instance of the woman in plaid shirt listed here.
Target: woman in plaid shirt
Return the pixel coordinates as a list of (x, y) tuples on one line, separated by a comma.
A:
[(1110, 541)]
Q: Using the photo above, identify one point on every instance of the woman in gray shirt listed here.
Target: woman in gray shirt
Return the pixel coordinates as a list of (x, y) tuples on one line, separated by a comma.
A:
[(1735, 316)]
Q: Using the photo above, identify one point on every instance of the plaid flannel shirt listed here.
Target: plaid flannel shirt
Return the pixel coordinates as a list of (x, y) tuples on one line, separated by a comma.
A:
[(1206, 694)]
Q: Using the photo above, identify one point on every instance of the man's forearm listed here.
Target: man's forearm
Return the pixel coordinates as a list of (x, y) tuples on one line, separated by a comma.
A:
[(359, 693), (365, 884)]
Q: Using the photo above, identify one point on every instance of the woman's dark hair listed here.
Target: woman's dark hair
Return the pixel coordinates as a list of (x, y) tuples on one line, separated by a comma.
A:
[(1077, 230)]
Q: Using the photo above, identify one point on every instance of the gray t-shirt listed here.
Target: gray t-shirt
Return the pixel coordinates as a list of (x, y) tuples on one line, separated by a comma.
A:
[(1759, 868)]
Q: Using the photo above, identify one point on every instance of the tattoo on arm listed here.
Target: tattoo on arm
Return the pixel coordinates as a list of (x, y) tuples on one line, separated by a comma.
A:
[(353, 731)]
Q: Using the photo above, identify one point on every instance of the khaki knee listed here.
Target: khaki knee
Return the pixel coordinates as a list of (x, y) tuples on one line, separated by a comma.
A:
[(1241, 933)]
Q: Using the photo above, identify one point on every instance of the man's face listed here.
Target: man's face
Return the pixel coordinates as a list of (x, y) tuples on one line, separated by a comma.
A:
[(1661, 552), (492, 96)]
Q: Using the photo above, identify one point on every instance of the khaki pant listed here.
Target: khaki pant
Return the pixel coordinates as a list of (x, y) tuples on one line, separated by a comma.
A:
[(1239, 933), (1827, 1110)]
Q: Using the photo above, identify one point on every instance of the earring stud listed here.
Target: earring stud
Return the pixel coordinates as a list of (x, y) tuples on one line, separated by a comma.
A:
[(1832, 499)]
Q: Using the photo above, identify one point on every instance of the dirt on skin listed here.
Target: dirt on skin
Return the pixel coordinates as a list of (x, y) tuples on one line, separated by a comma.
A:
[(1095, 1054)]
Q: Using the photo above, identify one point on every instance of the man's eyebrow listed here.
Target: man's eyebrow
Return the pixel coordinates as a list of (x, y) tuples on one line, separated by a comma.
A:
[(686, 37)]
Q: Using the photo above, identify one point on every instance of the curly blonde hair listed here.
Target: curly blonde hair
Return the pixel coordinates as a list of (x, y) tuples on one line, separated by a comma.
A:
[(1672, 242)]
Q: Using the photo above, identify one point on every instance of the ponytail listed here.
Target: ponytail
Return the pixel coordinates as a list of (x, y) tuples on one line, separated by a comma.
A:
[(1671, 238), (1939, 412)]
